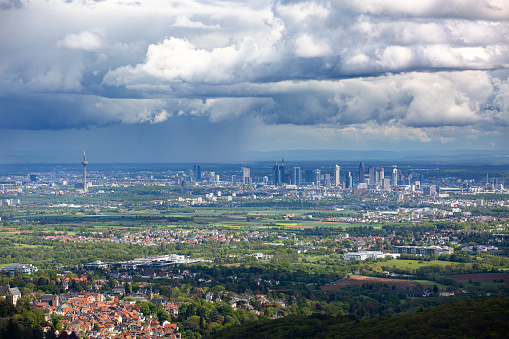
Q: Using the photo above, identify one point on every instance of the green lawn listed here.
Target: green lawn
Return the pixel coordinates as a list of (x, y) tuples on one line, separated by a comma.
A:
[(430, 284), (404, 263)]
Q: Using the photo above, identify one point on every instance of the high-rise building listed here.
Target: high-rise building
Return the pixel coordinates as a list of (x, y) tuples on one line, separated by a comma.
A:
[(33, 177), (429, 190), (379, 176), (317, 177), (296, 176), (349, 180), (326, 180), (246, 176), (278, 172), (337, 178), (371, 173), (84, 163), (387, 184), (276, 175), (394, 178), (197, 172), (361, 173)]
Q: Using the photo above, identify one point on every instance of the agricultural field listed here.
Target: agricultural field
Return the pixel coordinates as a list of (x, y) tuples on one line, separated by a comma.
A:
[(481, 277), (412, 264), (359, 280)]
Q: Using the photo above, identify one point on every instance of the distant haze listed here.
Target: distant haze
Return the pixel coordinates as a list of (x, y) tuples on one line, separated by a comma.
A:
[(456, 157)]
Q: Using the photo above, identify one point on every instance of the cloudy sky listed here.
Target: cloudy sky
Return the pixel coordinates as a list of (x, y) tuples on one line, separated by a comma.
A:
[(207, 80)]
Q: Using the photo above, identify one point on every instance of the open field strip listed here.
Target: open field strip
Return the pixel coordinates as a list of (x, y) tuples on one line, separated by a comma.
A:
[(405, 264)]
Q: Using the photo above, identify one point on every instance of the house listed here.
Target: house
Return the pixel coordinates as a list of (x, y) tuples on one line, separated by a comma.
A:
[(446, 293), (96, 265), (158, 301), (50, 299), (353, 256), (172, 309), (424, 250), (10, 293), (22, 268)]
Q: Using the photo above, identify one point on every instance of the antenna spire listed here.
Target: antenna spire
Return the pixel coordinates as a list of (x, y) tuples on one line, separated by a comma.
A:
[(84, 163)]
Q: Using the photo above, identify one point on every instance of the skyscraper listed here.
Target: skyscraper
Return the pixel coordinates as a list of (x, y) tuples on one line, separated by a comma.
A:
[(278, 172), (296, 176), (317, 177), (276, 175), (349, 180), (197, 172), (326, 181), (379, 176), (387, 184), (337, 178), (84, 163), (394, 178), (361, 172), (371, 172), (246, 176)]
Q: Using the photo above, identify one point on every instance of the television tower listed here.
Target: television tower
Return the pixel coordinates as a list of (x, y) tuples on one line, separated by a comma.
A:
[(84, 163)]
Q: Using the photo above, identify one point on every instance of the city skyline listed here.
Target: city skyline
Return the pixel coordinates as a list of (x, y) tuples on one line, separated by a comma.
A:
[(202, 81), (326, 176)]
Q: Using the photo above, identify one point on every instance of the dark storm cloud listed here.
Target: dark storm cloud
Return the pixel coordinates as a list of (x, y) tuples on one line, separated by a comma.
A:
[(427, 65), (11, 4)]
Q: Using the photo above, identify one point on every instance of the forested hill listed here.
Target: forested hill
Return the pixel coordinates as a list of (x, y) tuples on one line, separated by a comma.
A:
[(482, 318)]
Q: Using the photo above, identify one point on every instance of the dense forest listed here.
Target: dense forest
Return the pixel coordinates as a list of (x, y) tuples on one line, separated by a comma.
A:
[(483, 318)]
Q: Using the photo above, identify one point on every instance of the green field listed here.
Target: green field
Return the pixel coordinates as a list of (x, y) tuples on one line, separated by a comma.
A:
[(248, 218), (405, 264)]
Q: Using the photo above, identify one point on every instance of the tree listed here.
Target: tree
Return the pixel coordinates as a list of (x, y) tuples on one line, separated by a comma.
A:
[(194, 322), (55, 320), (50, 334), (128, 288), (214, 315), (13, 331), (6, 308), (37, 332)]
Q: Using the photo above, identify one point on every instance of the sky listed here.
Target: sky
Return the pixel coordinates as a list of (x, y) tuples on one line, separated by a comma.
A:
[(206, 80)]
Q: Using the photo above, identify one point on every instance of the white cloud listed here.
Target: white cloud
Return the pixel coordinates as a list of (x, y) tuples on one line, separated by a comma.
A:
[(469, 9), (86, 40), (128, 111), (396, 57), (405, 67), (307, 47), (56, 79), (303, 12), (178, 60), (184, 21)]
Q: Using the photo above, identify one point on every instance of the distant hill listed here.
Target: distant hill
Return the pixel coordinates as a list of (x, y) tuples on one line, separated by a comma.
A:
[(452, 157), (482, 318), (461, 156)]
